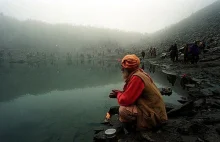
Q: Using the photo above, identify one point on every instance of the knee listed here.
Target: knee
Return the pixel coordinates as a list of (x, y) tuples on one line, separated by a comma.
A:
[(122, 109), (122, 114)]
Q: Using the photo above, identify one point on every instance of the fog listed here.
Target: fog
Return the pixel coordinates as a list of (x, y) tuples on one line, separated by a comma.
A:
[(128, 15)]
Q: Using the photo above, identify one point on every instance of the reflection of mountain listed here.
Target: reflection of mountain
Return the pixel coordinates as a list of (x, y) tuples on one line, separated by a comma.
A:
[(23, 79)]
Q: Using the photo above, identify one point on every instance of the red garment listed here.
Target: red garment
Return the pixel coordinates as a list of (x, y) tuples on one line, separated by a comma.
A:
[(132, 92)]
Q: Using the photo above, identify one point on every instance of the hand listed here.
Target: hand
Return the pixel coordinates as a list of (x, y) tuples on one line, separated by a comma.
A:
[(114, 93)]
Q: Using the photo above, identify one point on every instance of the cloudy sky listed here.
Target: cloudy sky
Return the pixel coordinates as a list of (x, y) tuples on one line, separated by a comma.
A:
[(129, 15)]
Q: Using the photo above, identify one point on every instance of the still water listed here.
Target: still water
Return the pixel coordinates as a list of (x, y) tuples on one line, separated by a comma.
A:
[(60, 102)]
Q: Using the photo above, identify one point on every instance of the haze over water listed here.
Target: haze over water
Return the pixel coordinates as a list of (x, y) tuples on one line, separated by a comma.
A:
[(66, 109)]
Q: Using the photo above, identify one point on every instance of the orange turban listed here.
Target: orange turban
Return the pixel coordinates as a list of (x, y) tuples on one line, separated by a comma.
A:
[(130, 62)]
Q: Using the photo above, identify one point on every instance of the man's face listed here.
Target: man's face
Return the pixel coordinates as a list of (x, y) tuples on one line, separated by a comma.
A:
[(124, 73)]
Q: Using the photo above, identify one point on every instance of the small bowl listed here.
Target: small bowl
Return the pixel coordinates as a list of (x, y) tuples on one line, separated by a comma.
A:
[(110, 133)]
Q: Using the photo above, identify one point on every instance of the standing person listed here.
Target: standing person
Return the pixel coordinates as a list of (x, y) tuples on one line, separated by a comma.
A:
[(172, 53), (201, 47), (175, 52), (155, 52), (141, 102), (143, 54), (186, 53), (150, 51), (194, 53)]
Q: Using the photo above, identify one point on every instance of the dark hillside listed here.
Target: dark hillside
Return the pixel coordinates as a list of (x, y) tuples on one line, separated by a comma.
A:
[(202, 25)]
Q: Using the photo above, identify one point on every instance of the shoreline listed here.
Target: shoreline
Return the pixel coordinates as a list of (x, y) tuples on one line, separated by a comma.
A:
[(198, 118)]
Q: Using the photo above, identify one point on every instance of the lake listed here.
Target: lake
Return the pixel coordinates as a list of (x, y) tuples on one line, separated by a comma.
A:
[(63, 102)]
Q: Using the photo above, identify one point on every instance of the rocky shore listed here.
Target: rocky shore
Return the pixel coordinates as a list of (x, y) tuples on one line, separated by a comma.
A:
[(198, 118)]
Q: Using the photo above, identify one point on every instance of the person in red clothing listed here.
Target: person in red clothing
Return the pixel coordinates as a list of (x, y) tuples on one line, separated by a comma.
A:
[(140, 101)]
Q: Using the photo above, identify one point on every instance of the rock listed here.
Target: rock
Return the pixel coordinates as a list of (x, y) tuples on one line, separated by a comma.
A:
[(100, 136), (129, 138), (189, 113), (198, 103), (113, 110), (169, 107), (194, 93), (114, 121), (197, 81), (188, 138), (212, 121), (146, 137), (180, 109), (190, 85), (216, 92), (192, 129), (218, 130), (213, 103), (211, 136), (217, 101), (200, 93), (199, 140), (99, 129), (206, 92), (182, 101), (184, 98), (166, 91), (212, 58)]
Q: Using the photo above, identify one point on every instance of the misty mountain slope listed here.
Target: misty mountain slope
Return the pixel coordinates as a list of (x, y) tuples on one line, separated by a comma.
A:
[(202, 25), (31, 34)]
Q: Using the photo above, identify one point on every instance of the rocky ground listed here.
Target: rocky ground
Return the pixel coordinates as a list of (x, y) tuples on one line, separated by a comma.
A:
[(198, 118)]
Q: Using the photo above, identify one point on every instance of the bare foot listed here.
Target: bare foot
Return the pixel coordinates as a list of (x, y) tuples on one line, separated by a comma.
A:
[(145, 136)]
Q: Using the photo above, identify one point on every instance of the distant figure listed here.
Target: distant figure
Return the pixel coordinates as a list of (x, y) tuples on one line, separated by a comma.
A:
[(201, 46), (154, 52), (194, 53), (186, 53), (176, 52), (150, 51), (173, 52), (143, 54)]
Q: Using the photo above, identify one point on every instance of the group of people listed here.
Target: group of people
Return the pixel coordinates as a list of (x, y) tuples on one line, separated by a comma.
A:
[(152, 52), (192, 51)]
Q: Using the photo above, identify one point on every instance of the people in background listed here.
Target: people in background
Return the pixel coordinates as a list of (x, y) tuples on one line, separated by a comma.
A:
[(151, 52), (143, 54), (173, 52), (154, 54), (186, 53), (194, 53)]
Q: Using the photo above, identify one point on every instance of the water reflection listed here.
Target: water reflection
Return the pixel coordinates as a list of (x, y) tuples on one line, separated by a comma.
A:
[(55, 116), (152, 68), (25, 79), (61, 102), (165, 79), (171, 78), (142, 66)]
